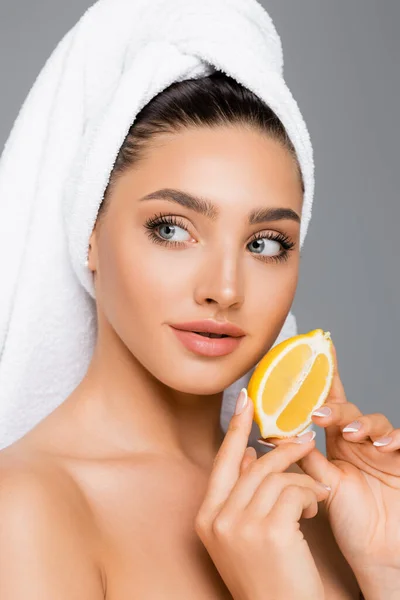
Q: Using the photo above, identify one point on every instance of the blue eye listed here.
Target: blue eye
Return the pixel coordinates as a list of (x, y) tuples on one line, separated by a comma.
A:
[(172, 224), (260, 246), (282, 240), (175, 231), (171, 231)]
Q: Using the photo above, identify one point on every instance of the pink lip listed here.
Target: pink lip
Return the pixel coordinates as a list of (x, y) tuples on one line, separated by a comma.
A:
[(211, 326), (207, 346)]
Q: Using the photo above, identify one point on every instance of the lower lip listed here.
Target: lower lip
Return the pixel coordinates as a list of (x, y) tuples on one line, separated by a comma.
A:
[(207, 346)]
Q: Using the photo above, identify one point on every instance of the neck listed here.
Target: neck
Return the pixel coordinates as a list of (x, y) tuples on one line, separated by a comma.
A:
[(132, 412)]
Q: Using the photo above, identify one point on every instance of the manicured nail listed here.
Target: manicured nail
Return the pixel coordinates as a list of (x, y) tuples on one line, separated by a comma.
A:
[(302, 438), (269, 444), (382, 441), (241, 401), (322, 411), (352, 427)]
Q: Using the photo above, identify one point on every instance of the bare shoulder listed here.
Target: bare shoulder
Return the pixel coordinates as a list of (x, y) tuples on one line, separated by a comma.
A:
[(339, 579), (46, 537)]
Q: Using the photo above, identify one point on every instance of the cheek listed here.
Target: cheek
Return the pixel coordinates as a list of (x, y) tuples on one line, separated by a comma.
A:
[(270, 300), (275, 288), (136, 285)]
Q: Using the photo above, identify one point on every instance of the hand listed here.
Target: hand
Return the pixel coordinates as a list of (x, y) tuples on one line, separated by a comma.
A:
[(363, 507), (249, 519)]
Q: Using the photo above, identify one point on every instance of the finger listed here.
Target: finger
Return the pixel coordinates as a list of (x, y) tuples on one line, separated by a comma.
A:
[(316, 465), (389, 442), (249, 457), (334, 417), (303, 437), (353, 425), (372, 426), (273, 462), (226, 467), (292, 504), (343, 415), (271, 487)]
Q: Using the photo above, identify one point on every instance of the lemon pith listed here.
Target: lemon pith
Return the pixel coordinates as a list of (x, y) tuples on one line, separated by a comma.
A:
[(291, 381)]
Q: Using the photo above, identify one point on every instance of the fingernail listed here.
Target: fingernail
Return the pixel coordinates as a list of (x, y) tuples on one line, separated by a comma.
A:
[(241, 401), (322, 411), (302, 438), (326, 487), (269, 444), (352, 427), (382, 441)]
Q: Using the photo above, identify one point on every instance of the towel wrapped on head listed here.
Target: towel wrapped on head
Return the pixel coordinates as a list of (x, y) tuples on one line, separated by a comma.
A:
[(57, 161)]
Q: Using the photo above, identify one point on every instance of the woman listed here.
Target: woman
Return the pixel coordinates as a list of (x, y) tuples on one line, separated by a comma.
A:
[(130, 488)]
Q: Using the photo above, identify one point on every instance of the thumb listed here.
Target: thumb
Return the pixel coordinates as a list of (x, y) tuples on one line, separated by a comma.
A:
[(320, 468), (249, 456)]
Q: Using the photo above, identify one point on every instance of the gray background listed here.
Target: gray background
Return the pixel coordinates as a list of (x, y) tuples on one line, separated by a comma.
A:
[(342, 65)]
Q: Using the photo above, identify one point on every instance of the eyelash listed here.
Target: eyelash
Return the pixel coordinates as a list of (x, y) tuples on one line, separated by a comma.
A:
[(161, 219)]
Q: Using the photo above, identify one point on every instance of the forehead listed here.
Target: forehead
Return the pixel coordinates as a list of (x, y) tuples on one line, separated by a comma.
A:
[(232, 164)]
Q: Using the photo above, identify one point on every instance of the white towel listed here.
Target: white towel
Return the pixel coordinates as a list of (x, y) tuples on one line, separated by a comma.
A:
[(57, 160)]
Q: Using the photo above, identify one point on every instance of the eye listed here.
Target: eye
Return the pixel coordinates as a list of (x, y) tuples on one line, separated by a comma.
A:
[(265, 246), (167, 230), (173, 232), (170, 230), (271, 246)]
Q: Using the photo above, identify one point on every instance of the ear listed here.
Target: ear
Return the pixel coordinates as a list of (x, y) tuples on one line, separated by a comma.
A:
[(92, 251)]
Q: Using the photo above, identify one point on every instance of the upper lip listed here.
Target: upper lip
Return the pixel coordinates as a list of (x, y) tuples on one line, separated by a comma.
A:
[(210, 326)]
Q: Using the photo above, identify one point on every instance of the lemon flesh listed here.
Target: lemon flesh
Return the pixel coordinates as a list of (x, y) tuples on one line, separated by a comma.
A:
[(291, 381)]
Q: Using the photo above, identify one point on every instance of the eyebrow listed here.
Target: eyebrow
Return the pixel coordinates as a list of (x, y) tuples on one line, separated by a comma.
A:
[(204, 207)]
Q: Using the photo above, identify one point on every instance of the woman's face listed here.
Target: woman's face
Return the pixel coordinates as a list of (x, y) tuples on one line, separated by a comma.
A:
[(160, 263)]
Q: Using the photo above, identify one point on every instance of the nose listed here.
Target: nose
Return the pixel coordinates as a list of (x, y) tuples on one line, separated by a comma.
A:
[(220, 281)]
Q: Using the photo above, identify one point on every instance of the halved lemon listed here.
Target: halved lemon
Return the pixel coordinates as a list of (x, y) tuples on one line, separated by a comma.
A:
[(291, 381)]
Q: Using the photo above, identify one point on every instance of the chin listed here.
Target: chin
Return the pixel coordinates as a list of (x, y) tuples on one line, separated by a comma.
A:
[(203, 379), (180, 369)]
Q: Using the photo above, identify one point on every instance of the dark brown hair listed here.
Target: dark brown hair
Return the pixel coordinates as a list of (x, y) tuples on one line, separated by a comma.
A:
[(210, 101)]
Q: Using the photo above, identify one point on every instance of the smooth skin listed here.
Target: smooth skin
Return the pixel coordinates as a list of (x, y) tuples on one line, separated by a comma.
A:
[(99, 500)]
